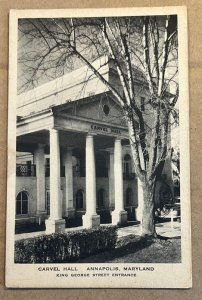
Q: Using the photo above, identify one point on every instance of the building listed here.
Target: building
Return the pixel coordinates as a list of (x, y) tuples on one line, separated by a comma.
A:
[(73, 156)]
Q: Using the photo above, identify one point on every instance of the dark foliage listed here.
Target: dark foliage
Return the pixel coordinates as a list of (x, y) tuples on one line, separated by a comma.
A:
[(65, 247)]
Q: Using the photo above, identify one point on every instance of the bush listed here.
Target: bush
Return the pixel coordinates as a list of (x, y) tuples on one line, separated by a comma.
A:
[(66, 246)]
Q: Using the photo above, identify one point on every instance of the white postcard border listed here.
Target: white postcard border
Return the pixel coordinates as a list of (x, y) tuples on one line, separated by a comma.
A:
[(163, 275)]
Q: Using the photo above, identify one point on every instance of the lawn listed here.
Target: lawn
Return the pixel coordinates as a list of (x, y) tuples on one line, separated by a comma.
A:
[(134, 249)]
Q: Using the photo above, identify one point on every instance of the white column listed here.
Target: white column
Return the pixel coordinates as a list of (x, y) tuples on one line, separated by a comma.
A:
[(119, 215), (55, 223), (70, 211), (111, 180), (40, 179), (90, 219)]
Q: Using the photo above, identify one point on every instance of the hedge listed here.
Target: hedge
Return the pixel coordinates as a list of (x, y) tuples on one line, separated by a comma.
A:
[(66, 246)]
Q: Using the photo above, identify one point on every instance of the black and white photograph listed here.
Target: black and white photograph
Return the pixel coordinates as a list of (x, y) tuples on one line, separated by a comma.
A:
[(98, 149)]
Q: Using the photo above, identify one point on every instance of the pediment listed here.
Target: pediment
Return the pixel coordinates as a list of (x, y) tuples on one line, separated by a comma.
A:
[(100, 108)]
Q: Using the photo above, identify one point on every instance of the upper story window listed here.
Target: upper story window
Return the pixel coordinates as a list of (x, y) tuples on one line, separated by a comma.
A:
[(127, 164), (47, 167), (22, 203), (78, 163), (76, 166)]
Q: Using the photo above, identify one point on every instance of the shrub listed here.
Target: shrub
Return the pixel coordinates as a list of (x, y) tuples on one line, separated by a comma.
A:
[(66, 246)]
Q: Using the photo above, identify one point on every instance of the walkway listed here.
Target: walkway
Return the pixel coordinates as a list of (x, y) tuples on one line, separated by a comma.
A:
[(165, 229)]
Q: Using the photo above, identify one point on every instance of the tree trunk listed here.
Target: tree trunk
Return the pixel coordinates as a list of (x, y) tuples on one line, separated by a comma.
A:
[(148, 225)]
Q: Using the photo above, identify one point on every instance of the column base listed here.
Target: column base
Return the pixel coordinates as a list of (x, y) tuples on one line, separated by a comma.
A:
[(41, 216), (70, 213), (119, 217), (91, 221), (54, 226)]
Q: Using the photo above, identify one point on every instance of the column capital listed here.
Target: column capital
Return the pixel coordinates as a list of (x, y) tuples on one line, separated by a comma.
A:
[(90, 135), (53, 130), (118, 139)]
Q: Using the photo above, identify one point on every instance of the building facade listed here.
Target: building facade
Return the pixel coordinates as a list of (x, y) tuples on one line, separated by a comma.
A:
[(74, 165)]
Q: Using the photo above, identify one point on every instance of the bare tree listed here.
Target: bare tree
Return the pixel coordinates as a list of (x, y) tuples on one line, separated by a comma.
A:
[(148, 44)]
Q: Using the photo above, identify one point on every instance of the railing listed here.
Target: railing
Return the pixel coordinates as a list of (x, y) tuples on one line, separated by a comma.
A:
[(128, 176), (81, 172), (26, 170), (47, 171)]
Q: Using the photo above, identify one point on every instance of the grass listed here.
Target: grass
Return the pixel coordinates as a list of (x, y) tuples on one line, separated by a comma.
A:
[(132, 249), (135, 249)]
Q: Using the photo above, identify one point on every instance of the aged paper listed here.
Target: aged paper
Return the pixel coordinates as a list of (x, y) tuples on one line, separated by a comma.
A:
[(173, 274)]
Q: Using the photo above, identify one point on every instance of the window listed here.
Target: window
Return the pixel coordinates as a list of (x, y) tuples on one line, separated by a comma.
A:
[(47, 167), (22, 203), (129, 195), (106, 109), (127, 164), (142, 104), (79, 199), (76, 166), (100, 197), (29, 167), (79, 169)]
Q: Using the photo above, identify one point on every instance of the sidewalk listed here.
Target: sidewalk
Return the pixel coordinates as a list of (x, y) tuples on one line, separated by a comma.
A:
[(165, 229)]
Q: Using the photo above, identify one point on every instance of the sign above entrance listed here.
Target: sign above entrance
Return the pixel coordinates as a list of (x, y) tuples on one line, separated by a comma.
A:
[(105, 129)]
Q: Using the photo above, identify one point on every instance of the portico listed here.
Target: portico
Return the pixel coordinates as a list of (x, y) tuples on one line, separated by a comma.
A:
[(65, 138)]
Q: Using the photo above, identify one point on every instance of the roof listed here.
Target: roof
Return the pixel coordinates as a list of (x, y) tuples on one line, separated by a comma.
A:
[(79, 84), (73, 86)]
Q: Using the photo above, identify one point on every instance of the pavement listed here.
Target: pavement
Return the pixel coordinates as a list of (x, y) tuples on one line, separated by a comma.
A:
[(165, 229)]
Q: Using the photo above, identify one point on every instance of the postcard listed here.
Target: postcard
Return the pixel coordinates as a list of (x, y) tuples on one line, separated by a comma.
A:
[(98, 187)]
